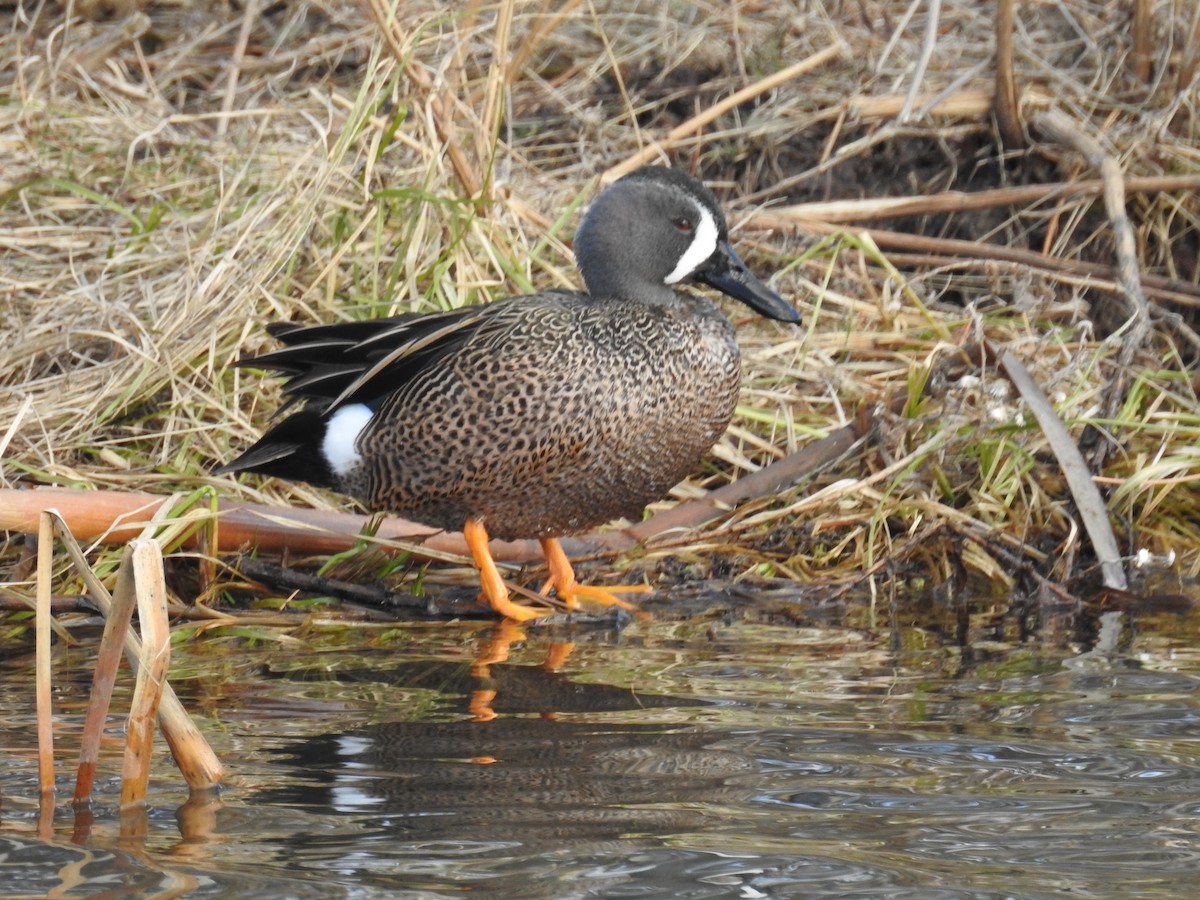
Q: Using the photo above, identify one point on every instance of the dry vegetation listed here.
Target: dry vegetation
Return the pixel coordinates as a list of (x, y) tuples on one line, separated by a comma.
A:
[(177, 177)]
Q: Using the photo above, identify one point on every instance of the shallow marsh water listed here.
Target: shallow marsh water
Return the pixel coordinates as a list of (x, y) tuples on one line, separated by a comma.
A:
[(709, 758)]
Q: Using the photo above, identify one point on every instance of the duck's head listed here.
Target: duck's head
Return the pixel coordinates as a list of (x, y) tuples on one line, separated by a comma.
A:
[(657, 228)]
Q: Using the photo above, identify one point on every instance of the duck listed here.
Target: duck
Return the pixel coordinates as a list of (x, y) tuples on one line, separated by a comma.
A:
[(538, 416)]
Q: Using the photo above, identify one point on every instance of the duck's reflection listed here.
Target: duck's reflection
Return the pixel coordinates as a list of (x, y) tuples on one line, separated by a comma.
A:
[(494, 648), (554, 768)]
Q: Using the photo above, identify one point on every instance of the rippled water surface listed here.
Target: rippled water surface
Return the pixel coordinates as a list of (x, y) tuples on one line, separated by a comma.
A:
[(710, 759)]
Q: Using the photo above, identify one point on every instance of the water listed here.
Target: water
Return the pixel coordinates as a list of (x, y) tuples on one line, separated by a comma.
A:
[(712, 758)]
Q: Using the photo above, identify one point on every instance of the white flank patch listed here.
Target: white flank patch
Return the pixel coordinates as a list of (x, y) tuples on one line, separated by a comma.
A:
[(341, 437), (703, 245)]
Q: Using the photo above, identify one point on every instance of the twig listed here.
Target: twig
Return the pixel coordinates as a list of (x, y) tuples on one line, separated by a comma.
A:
[(961, 201), (249, 15), (932, 18), (1007, 109), (45, 712), (1090, 504), (698, 121), (967, 250), (1018, 558), (377, 597), (765, 482), (1143, 23), (104, 676), (1063, 272), (1070, 133), (897, 34), (970, 103), (59, 604), (150, 587), (116, 517), (861, 146)]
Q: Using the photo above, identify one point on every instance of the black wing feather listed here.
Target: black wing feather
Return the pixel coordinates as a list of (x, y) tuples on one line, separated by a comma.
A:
[(325, 364)]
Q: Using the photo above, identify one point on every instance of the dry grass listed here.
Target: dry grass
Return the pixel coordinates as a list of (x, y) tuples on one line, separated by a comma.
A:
[(162, 198)]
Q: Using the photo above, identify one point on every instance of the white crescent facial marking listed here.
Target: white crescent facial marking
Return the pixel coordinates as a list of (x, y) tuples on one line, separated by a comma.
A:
[(703, 245), (341, 436)]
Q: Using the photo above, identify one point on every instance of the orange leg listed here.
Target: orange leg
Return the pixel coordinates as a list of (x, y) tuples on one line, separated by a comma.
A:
[(489, 576), (480, 706), (556, 655), (493, 649), (562, 579)]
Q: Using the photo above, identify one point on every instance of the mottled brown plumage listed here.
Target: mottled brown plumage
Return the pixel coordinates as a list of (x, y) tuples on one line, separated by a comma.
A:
[(537, 416), (532, 462)]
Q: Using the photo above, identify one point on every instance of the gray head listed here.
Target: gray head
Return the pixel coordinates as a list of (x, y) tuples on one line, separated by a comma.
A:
[(657, 228)]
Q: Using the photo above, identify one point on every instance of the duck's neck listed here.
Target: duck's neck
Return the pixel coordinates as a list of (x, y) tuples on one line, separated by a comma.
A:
[(601, 285)]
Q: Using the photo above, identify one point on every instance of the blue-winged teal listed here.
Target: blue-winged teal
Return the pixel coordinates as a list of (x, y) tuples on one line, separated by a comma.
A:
[(538, 416)]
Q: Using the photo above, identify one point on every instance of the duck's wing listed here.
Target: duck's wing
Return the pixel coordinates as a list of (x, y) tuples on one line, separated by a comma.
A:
[(327, 366)]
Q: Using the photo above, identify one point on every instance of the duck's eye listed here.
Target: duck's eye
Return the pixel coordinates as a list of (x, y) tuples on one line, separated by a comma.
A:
[(683, 225)]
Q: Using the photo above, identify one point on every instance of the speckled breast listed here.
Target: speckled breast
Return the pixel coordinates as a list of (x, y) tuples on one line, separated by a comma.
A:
[(565, 414)]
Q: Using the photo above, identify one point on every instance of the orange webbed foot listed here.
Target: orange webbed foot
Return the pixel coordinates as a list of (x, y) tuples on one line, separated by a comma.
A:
[(562, 580)]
